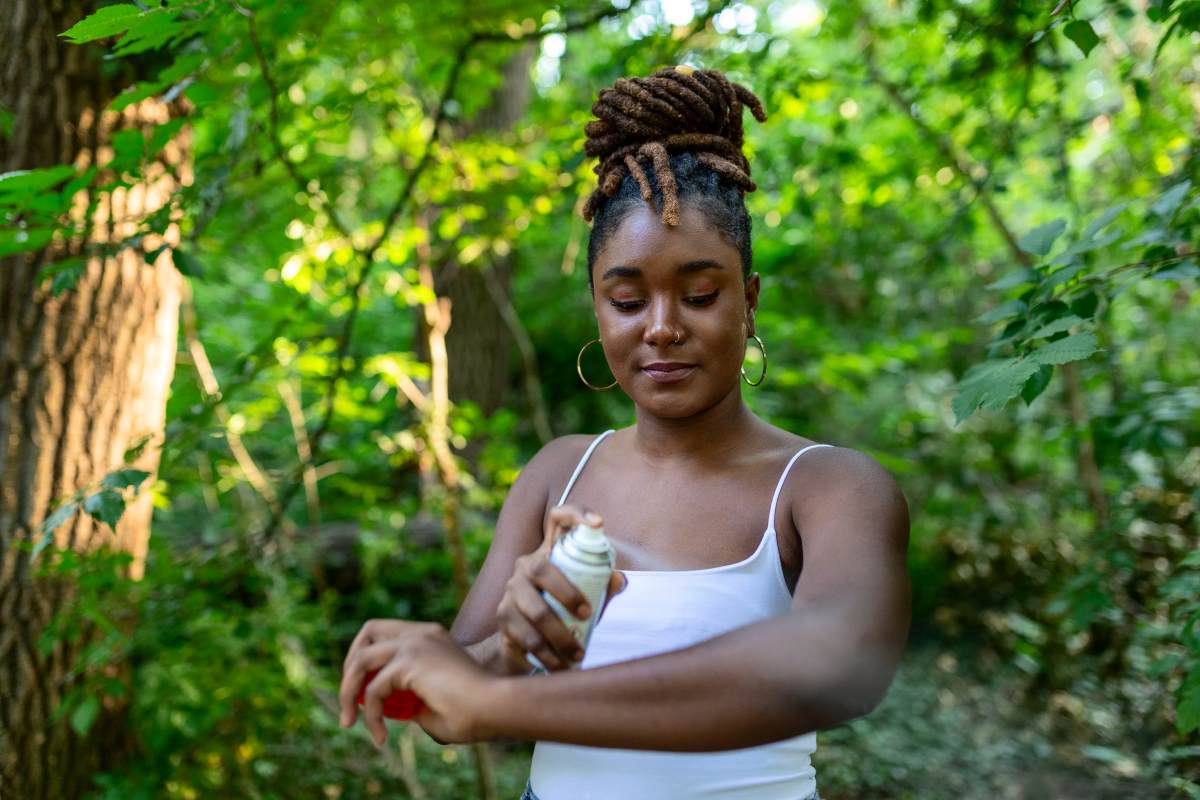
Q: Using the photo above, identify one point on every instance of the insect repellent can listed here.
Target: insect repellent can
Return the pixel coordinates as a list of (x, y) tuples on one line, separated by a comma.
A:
[(585, 557)]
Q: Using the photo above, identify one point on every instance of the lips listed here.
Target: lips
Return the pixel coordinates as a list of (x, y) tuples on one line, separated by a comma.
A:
[(668, 372)]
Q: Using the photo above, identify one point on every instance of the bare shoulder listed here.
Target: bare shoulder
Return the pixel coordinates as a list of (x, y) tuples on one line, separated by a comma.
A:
[(551, 466), (847, 484)]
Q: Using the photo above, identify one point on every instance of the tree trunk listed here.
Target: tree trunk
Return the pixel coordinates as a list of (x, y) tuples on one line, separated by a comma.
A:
[(83, 377), (478, 341)]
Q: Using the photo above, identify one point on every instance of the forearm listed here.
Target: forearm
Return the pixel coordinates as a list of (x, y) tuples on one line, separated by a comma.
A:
[(489, 654), (766, 682)]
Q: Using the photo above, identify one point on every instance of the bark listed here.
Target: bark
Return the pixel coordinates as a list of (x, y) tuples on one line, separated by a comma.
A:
[(83, 377), (478, 344)]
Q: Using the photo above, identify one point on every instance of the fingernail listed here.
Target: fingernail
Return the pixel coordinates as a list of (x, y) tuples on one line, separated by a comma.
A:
[(584, 611), (577, 655)]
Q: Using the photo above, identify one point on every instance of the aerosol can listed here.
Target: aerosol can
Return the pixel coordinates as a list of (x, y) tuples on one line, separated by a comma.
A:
[(585, 556)]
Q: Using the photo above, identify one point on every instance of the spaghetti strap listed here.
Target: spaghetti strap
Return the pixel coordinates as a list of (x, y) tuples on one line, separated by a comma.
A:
[(579, 467), (783, 477)]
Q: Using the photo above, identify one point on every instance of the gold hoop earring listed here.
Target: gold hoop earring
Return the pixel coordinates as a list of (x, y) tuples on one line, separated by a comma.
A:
[(579, 369), (764, 357)]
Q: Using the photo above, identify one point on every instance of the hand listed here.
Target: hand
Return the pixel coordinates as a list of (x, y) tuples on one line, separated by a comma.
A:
[(422, 658), (526, 622)]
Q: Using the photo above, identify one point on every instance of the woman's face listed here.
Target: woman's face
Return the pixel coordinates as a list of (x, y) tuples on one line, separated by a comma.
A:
[(674, 311)]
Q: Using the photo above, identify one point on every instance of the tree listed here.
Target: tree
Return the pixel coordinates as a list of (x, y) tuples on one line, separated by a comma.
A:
[(84, 373)]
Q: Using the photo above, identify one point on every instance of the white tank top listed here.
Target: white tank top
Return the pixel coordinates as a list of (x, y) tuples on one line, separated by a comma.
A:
[(660, 611)]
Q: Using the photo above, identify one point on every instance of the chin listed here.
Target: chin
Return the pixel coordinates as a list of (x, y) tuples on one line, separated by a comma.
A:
[(673, 404), (676, 408)]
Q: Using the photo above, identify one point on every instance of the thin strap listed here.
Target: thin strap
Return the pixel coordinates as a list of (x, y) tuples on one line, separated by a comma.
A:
[(579, 467), (783, 477)]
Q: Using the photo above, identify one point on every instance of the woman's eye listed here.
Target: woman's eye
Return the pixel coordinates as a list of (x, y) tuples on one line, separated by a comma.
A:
[(625, 305), (703, 300)]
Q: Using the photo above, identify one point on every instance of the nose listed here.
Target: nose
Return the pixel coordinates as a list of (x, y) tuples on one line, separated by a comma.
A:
[(662, 327)]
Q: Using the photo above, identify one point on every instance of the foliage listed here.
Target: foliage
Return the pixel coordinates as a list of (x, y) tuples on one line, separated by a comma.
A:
[(960, 203)]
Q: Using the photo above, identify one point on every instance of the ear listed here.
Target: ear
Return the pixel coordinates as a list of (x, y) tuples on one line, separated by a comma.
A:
[(753, 286)]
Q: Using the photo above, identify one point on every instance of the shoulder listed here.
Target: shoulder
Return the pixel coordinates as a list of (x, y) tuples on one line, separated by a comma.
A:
[(552, 465), (844, 484)]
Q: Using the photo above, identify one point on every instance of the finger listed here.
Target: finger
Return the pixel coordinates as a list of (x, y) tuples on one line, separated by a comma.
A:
[(562, 518), (616, 584), (387, 681), (367, 659), (550, 578), (372, 631), (551, 629), (520, 637), (363, 637)]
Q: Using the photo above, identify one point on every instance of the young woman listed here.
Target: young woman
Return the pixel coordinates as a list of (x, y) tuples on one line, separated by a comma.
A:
[(761, 593)]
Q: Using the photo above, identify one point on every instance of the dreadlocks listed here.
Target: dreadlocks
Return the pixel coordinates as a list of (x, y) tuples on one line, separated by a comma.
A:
[(677, 134)]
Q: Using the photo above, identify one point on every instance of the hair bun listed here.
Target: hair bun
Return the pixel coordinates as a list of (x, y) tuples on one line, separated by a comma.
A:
[(675, 109)]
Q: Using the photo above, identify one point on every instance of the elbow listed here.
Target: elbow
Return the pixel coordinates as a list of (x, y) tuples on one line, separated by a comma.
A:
[(859, 702), (852, 695), (864, 690)]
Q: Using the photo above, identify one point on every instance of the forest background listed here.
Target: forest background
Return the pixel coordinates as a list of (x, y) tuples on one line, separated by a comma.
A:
[(304, 284)]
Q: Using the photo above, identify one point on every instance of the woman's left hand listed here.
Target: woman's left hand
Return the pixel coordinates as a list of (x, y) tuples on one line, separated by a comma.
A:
[(422, 658)]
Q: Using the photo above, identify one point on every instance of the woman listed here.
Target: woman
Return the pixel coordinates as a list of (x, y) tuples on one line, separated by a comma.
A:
[(761, 593)]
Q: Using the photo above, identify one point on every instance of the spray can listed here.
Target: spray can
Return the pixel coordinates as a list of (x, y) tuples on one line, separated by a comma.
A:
[(585, 556)]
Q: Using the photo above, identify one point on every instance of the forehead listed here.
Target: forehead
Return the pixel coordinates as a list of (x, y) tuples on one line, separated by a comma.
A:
[(643, 240)]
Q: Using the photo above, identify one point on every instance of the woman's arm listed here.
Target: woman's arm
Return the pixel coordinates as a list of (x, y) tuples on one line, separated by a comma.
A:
[(830, 659), (520, 530)]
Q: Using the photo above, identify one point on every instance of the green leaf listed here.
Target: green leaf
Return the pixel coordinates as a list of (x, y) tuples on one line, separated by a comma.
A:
[(67, 278), (135, 450), (991, 385), (188, 264), (128, 146), (1081, 33), (24, 240), (182, 68), (1037, 384), (1059, 277), (6, 121), (1178, 272), (161, 135), (1018, 277), (80, 181), (1168, 201), (31, 181), (1056, 326), (201, 94), (1086, 304), (1003, 311), (106, 506), (1039, 240), (1192, 559), (150, 32), (136, 93), (108, 21), (124, 479), (1072, 348), (152, 255), (60, 516), (1187, 713), (84, 715), (1104, 220)]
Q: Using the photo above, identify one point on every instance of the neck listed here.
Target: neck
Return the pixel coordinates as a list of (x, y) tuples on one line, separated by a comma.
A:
[(720, 428)]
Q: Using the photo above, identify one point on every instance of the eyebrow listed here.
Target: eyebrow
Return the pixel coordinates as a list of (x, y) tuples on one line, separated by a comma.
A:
[(684, 269)]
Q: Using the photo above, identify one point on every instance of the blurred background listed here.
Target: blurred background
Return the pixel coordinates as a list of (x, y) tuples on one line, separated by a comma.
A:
[(290, 292)]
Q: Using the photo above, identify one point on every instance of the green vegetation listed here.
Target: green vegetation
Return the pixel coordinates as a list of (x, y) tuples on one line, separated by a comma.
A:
[(978, 224)]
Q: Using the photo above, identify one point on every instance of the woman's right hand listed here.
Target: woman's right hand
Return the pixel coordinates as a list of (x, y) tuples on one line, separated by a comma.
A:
[(526, 622)]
